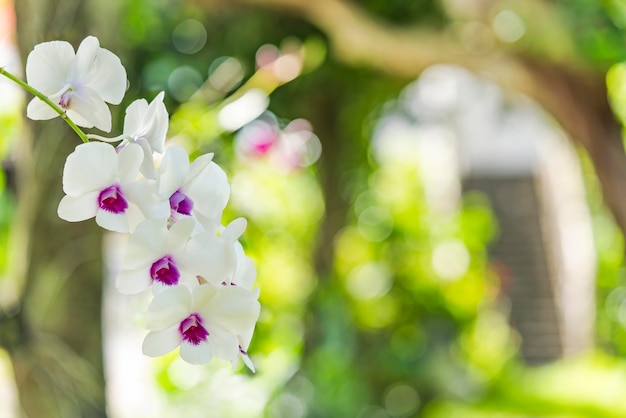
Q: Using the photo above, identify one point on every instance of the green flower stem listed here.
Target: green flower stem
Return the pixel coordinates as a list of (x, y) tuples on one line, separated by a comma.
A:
[(47, 101)]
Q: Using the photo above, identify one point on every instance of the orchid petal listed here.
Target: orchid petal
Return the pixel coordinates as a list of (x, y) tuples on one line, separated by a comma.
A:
[(135, 116), (245, 338), (48, 66), (146, 244), (234, 309), (78, 208), (116, 222), (90, 167), (147, 123), (130, 158), (203, 295), (211, 257), (212, 225), (85, 60), (135, 216), (38, 110), (158, 287), (159, 343), (187, 279), (245, 273), (198, 165), (160, 124), (147, 166), (209, 191), (109, 77), (173, 171), (248, 362), (235, 229), (224, 345), (196, 353), (87, 109), (179, 234), (141, 192), (168, 308)]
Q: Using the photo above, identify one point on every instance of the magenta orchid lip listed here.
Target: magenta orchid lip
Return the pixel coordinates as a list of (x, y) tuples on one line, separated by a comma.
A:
[(112, 200), (164, 271)]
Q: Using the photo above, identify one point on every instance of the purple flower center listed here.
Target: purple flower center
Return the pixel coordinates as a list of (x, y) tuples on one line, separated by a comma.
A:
[(65, 100), (112, 200), (192, 330), (164, 271), (181, 203)]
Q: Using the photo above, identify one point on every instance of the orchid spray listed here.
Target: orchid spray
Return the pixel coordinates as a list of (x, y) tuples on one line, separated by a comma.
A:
[(204, 299)]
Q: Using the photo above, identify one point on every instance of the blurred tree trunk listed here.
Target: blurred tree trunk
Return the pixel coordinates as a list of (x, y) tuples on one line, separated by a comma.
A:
[(51, 328)]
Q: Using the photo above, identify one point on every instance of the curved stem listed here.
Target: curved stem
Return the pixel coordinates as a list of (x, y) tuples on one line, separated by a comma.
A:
[(47, 101)]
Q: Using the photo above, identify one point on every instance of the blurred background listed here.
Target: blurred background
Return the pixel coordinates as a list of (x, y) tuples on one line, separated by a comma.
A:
[(436, 198)]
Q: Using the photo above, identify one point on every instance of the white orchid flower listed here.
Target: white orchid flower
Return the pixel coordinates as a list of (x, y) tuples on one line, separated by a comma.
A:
[(145, 124), (213, 257), (199, 189), (102, 183), (204, 322), (155, 256), (80, 83)]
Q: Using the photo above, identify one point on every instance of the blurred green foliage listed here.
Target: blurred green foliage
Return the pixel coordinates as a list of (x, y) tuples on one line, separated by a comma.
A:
[(9, 130)]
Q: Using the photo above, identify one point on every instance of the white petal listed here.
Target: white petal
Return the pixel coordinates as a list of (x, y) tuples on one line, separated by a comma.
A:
[(90, 167), (213, 225), (147, 122), (235, 229), (203, 295), (158, 287), (245, 338), (130, 158), (234, 309), (160, 123), (135, 115), (173, 171), (248, 362), (135, 217), (188, 279), (196, 354), (198, 165), (148, 168), (224, 345), (38, 110), (117, 222), (159, 343), (209, 191), (87, 109), (142, 193), (179, 234), (109, 77), (168, 308), (48, 66), (146, 244), (78, 208), (211, 257), (245, 272), (130, 282), (85, 59)]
